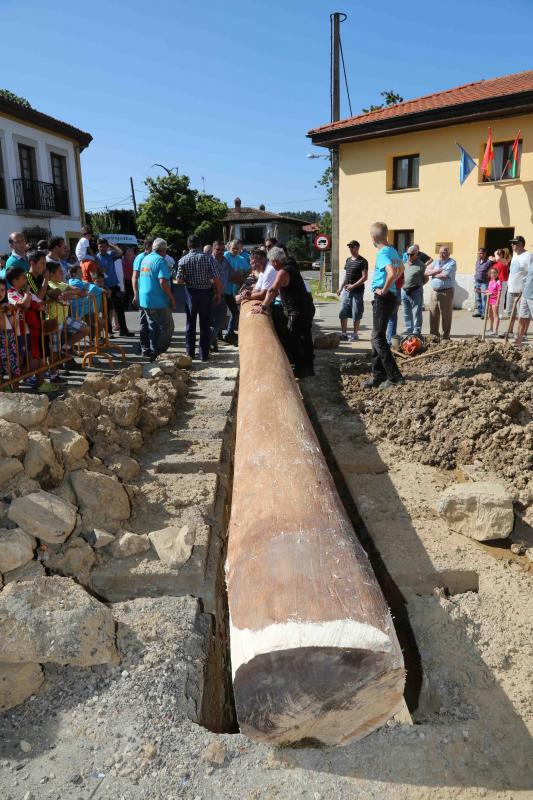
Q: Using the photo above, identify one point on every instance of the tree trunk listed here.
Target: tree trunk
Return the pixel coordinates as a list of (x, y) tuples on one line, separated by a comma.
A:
[(314, 652)]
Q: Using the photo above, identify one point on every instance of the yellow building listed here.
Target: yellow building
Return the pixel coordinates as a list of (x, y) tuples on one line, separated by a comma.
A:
[(401, 165)]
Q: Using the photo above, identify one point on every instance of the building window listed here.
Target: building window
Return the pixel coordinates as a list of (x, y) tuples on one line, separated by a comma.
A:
[(3, 183), (59, 179), (502, 168), (403, 239), (28, 169), (405, 172), (252, 235)]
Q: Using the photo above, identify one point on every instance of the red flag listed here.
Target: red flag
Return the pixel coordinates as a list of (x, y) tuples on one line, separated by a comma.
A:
[(488, 158)]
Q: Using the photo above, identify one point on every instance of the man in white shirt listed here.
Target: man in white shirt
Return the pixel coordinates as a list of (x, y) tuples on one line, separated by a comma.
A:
[(517, 273)]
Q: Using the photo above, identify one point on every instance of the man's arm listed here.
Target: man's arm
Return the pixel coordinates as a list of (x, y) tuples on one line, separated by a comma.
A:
[(165, 285), (282, 279), (135, 285), (362, 279), (117, 251)]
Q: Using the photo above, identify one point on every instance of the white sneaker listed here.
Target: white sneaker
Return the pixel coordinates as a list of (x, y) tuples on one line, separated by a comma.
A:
[(353, 337)]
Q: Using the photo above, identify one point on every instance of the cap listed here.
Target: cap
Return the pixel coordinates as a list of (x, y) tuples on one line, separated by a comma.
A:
[(518, 240), (353, 243)]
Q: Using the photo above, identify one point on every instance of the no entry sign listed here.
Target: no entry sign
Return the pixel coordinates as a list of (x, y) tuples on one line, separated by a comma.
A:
[(322, 242)]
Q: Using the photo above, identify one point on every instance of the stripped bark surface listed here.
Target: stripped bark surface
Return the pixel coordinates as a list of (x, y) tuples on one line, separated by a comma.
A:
[(314, 652)]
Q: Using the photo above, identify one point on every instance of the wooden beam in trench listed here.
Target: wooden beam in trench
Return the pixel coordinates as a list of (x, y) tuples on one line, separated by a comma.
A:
[(313, 648)]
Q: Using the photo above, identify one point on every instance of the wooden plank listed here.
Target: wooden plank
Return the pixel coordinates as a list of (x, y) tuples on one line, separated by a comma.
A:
[(314, 652)]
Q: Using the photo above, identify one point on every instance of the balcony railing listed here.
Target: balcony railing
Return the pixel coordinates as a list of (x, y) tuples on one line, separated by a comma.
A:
[(33, 195)]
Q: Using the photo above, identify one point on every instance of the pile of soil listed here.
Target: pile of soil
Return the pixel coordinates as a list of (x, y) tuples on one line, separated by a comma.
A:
[(473, 404)]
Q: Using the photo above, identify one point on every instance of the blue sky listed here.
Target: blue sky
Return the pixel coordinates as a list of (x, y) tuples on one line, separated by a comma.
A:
[(227, 90)]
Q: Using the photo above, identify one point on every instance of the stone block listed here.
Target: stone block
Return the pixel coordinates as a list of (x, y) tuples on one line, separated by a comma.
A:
[(9, 467), (53, 620), (33, 569), (44, 515), (130, 544), (173, 545), (69, 445), (17, 683), (482, 511), (124, 466), (74, 560), (16, 549), (102, 493), (327, 341), (62, 413), (13, 439), (41, 462), (27, 410)]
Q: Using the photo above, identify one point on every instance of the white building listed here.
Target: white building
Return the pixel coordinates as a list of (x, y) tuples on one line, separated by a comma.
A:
[(40, 175)]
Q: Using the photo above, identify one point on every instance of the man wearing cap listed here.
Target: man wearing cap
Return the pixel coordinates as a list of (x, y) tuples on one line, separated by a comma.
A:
[(351, 291), (413, 290), (525, 310), (517, 273)]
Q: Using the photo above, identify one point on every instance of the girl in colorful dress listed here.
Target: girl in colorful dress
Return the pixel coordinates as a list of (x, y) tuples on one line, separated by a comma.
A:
[(493, 293)]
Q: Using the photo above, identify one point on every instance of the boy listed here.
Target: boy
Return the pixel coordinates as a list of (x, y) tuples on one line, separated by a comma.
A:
[(89, 310), (63, 294), (19, 297)]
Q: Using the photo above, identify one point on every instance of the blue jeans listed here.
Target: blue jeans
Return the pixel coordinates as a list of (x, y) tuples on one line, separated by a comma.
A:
[(352, 305), (234, 311), (481, 299), (160, 329), (393, 321), (198, 303), (412, 302)]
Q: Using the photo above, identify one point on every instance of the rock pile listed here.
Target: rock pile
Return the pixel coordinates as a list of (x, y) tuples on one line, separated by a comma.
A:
[(65, 472), (474, 405)]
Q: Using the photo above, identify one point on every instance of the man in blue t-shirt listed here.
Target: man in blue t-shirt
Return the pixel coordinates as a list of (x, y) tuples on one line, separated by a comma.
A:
[(154, 292), (385, 372), (17, 242), (106, 257), (144, 335)]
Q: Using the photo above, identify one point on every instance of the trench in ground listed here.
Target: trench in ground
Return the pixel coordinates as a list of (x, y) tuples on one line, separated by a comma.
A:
[(218, 712)]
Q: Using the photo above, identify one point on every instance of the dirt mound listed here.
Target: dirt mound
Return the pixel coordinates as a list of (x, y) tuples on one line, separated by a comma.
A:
[(474, 403)]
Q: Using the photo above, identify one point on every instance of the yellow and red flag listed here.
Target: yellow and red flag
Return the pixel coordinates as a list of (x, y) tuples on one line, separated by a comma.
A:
[(488, 158)]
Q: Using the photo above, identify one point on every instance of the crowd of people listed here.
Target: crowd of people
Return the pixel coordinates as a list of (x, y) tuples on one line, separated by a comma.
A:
[(502, 281)]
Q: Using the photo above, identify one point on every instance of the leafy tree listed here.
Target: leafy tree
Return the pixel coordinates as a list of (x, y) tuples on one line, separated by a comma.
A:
[(173, 210), (15, 98), (327, 181), (103, 222), (325, 223), (308, 216), (391, 98), (300, 249)]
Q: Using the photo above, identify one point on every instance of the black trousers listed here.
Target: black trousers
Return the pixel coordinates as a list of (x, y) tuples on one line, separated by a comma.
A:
[(300, 339), (128, 294), (383, 364), (279, 320), (115, 302)]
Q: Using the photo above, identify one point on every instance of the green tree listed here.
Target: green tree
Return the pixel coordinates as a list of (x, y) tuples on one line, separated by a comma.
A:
[(103, 222), (307, 216), (299, 248), (327, 181), (14, 98), (325, 223), (391, 98), (173, 210)]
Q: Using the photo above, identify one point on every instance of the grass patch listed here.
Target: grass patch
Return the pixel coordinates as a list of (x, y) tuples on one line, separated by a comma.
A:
[(325, 297)]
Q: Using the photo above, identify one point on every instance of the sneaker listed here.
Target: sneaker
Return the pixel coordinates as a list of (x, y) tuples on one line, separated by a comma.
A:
[(344, 337), (128, 334), (477, 315), (370, 383), (47, 388), (501, 336), (353, 337), (389, 384)]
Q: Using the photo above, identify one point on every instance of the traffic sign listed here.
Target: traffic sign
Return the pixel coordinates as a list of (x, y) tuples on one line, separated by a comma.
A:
[(322, 242)]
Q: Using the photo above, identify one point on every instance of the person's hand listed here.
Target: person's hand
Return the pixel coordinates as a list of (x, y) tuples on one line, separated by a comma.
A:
[(339, 290), (258, 310), (379, 291)]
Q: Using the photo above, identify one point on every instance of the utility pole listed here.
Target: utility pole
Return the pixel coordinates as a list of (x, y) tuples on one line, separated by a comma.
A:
[(335, 20), (133, 198)]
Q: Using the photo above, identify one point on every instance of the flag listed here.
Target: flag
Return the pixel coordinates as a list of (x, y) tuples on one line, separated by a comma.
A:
[(512, 161), (467, 164), (488, 158)]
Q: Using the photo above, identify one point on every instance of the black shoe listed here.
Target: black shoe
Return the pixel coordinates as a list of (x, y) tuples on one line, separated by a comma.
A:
[(477, 315), (389, 384), (304, 372), (205, 358), (371, 383), (214, 346), (128, 334)]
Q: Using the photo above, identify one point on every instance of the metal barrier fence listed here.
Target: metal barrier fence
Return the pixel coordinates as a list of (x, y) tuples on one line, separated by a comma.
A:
[(41, 338)]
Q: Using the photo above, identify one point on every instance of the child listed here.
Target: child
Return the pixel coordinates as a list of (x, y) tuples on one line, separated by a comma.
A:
[(99, 282), (493, 295), (9, 363), (19, 297), (501, 260), (91, 311), (63, 294)]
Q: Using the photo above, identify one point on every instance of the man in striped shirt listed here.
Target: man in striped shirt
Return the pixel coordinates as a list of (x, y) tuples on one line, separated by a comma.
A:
[(199, 272)]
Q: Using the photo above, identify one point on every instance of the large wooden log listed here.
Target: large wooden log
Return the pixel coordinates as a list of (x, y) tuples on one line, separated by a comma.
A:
[(313, 648)]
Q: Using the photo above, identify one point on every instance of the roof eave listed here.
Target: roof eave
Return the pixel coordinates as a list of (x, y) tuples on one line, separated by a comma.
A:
[(503, 106), (42, 120)]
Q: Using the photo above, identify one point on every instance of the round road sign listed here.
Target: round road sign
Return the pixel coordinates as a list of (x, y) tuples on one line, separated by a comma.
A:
[(322, 242)]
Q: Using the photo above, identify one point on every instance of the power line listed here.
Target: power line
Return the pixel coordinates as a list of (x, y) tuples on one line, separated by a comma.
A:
[(345, 78)]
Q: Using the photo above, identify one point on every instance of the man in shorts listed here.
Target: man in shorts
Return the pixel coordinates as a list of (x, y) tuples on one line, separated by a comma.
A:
[(525, 309), (351, 292)]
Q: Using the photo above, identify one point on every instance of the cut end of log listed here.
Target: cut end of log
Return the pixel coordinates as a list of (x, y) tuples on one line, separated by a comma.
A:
[(317, 695)]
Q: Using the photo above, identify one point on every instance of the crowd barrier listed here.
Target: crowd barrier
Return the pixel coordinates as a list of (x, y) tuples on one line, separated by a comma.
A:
[(43, 338)]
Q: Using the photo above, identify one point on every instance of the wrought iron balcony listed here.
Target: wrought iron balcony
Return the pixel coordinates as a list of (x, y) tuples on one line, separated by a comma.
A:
[(33, 195)]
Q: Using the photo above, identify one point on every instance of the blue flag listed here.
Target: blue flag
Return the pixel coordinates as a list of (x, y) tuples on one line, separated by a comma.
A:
[(467, 164)]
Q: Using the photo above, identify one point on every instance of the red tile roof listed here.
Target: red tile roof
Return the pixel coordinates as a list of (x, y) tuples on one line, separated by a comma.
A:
[(470, 92)]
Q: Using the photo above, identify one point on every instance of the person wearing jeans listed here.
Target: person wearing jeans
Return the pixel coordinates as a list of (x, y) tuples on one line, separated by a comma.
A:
[(413, 291), (239, 264), (156, 300), (481, 281), (385, 372), (144, 338), (107, 253), (442, 274), (199, 272)]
